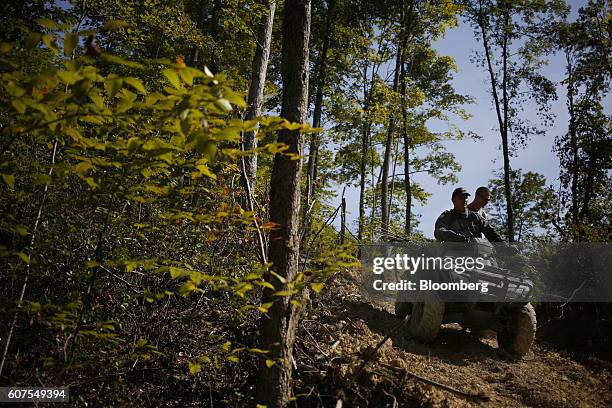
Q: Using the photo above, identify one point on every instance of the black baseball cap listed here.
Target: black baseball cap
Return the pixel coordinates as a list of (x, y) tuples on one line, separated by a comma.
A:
[(460, 192)]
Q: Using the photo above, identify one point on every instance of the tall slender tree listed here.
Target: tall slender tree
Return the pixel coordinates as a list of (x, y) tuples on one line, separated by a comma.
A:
[(514, 36), (278, 327), (256, 92), (313, 147)]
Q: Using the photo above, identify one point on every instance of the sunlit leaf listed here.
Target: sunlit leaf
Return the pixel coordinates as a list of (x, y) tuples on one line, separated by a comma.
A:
[(71, 40), (172, 77), (136, 84), (317, 286), (114, 25), (9, 179)]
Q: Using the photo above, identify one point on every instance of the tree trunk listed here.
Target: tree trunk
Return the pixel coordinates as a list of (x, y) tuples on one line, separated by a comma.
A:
[(505, 148), (278, 328), (364, 151), (407, 145), (343, 221), (256, 91), (214, 31), (573, 138), (202, 15), (313, 148), (501, 122), (384, 195)]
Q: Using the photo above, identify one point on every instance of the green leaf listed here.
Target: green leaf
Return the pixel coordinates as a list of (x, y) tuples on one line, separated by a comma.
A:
[(186, 288), (233, 358), (47, 23), (265, 307), (186, 76), (136, 84), (21, 230), (19, 106), (50, 42), (112, 86), (226, 346), (118, 60), (14, 90), (172, 77), (92, 183), (24, 257), (206, 171), (96, 99), (176, 273), (133, 144), (207, 148), (279, 277), (284, 293), (126, 102), (269, 364), (317, 286), (113, 25), (69, 77), (71, 40), (83, 167), (194, 368), (258, 351), (9, 179), (92, 119)]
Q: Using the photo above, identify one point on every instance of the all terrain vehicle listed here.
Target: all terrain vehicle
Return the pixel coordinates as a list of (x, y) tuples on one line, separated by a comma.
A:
[(508, 312)]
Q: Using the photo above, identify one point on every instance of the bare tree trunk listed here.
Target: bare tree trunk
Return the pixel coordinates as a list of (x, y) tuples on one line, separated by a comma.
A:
[(343, 222), (384, 195), (501, 121), (407, 145), (573, 138), (278, 328), (394, 154), (505, 149), (256, 90), (364, 151), (313, 147)]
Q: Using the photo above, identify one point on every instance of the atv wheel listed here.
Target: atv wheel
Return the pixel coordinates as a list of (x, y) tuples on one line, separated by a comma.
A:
[(517, 335), (425, 320), (403, 309)]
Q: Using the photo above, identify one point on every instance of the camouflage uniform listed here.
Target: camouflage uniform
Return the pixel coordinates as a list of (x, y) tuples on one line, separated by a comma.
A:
[(460, 227)]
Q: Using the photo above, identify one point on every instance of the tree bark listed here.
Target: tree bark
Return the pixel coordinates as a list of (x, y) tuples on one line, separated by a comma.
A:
[(384, 195), (505, 148), (313, 147), (214, 31), (202, 14), (364, 151), (501, 119), (573, 138), (407, 145), (256, 91), (278, 328)]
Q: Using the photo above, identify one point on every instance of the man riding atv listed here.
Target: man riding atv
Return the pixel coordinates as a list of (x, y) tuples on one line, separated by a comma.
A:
[(514, 322)]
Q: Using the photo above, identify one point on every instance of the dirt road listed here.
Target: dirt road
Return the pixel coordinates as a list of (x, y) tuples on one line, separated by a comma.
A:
[(458, 370)]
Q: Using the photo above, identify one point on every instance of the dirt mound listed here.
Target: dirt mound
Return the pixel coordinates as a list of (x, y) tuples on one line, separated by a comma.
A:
[(457, 370)]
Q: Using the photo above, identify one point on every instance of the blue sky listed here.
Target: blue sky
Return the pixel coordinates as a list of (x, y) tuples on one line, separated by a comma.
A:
[(481, 159)]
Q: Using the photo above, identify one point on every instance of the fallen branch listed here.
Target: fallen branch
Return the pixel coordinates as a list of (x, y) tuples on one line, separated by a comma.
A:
[(406, 373)]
